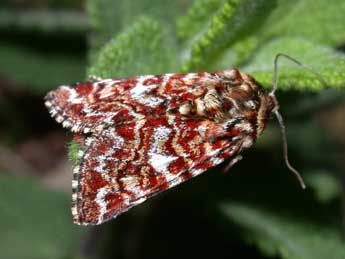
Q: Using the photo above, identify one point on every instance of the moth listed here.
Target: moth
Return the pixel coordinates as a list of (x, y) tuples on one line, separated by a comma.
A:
[(142, 135)]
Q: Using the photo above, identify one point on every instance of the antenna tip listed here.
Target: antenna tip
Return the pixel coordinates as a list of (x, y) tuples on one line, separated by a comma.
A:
[(299, 177), (303, 186)]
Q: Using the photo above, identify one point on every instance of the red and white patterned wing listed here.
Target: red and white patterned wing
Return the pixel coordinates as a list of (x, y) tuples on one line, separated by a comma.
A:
[(124, 165), (91, 106)]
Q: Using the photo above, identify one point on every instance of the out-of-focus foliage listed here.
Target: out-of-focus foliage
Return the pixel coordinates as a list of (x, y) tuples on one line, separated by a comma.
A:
[(35, 222), (38, 47), (291, 236), (44, 21), (263, 213), (40, 70), (325, 184)]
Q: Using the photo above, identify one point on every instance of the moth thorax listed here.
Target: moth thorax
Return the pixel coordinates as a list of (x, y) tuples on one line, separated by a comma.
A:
[(210, 105)]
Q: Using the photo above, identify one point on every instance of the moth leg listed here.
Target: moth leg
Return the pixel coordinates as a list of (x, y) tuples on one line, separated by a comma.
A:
[(231, 163)]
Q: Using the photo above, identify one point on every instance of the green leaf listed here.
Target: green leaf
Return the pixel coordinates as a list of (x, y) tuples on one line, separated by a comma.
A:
[(35, 222), (290, 237), (207, 41), (317, 20), (166, 12), (140, 49), (327, 62), (248, 34), (41, 71), (197, 18), (109, 17), (234, 20)]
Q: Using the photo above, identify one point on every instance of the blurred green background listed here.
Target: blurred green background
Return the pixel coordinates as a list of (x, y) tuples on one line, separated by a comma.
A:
[(257, 210)]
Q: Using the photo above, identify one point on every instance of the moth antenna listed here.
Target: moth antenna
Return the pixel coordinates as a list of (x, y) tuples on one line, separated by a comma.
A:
[(285, 149), (275, 75), (278, 115)]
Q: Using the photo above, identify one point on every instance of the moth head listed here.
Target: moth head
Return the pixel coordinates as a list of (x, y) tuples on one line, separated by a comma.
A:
[(268, 105), (247, 99)]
